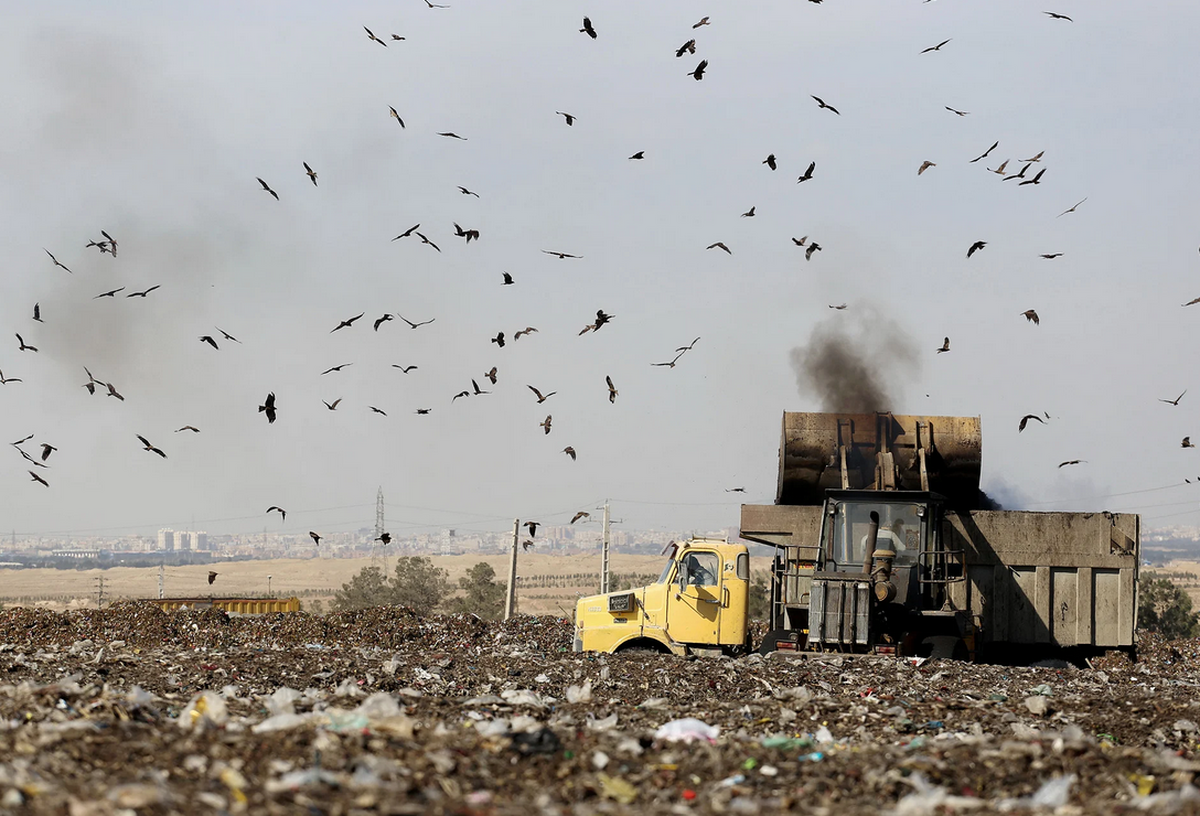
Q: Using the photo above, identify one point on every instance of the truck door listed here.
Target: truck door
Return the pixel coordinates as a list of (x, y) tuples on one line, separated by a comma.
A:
[(694, 601)]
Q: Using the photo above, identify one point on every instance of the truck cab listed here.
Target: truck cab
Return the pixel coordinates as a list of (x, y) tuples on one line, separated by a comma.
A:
[(698, 605)]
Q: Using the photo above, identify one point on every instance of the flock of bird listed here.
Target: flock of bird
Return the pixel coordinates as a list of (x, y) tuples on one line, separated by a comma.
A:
[(1031, 173)]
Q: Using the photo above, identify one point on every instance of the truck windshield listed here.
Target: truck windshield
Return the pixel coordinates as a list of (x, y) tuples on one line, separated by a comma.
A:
[(666, 573), (901, 530)]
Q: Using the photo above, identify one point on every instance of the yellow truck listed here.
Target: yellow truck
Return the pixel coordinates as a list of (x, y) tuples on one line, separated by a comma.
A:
[(884, 543)]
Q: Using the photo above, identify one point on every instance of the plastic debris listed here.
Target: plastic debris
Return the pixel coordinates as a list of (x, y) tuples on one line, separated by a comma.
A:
[(688, 729)]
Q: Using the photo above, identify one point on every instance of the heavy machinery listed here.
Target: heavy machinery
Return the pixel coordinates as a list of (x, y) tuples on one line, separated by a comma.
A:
[(883, 545)]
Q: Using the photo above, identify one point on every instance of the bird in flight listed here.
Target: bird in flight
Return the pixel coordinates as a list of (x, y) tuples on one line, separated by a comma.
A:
[(378, 410), (227, 335), (568, 116), (545, 423), (47, 449), (580, 515), (407, 232), (769, 161), (688, 347), (1032, 316), (1192, 302), (569, 451), (280, 510), (508, 279), (37, 312), (560, 255), (208, 338), (149, 447), (823, 104), (999, 171), (381, 320), (955, 111), (587, 28), (1025, 420), (688, 47), (385, 537), (670, 364), (1064, 212), (1174, 401), (491, 375), (532, 527), (800, 241), (975, 247), (312, 175), (612, 389), (191, 428), (425, 240), (748, 213), (449, 134), (433, 5), (371, 36), (111, 293), (839, 307), (719, 245), (1072, 462), (468, 234), (1020, 174), (92, 382), (423, 411), (336, 368), (268, 407), (212, 576), (1055, 16), (316, 538), (735, 490), (937, 47), (346, 323), (403, 369), (464, 191), (144, 292), (541, 397), (808, 173), (641, 154), (925, 166), (23, 346), (1050, 256), (1036, 158), (945, 346), (477, 390), (39, 479), (56, 261), (112, 391), (6, 380), (1186, 443), (267, 188), (526, 545), (396, 115), (698, 73), (813, 247), (1035, 180), (521, 332), (499, 339), (703, 22), (460, 394), (985, 153)]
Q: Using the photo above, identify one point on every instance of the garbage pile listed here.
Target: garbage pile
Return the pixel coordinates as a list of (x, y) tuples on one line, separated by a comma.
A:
[(133, 710)]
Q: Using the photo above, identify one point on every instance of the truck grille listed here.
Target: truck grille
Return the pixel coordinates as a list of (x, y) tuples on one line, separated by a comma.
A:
[(839, 613)]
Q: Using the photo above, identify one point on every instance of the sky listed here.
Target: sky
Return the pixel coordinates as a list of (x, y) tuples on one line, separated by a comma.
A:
[(154, 121)]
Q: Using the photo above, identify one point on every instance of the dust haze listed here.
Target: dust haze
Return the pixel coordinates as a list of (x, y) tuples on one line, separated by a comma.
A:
[(856, 362)]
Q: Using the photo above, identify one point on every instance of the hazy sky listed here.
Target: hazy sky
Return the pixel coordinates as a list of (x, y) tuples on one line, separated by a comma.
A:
[(152, 121)]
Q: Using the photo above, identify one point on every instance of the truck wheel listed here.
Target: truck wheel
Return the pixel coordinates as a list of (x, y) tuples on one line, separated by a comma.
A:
[(641, 647)]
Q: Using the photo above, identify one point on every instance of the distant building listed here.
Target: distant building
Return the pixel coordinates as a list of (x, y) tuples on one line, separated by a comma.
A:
[(166, 540), (200, 541)]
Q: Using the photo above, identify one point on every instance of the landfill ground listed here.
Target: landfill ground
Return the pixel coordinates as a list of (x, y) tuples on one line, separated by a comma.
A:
[(134, 710)]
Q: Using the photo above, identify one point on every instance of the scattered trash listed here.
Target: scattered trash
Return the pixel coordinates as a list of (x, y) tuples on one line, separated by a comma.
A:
[(689, 729)]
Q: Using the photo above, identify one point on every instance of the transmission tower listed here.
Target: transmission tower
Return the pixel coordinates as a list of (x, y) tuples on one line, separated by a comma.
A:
[(378, 552), (100, 597)]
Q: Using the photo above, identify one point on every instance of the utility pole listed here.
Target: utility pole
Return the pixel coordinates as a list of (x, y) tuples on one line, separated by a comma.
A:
[(604, 553), (99, 591), (510, 600), (161, 571)]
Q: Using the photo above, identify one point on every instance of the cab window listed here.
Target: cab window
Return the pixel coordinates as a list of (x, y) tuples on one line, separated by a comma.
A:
[(700, 568)]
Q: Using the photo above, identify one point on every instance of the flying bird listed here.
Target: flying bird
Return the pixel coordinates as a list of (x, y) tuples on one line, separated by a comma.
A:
[(569, 451), (267, 187), (212, 576), (112, 391), (335, 368), (460, 394), (1050, 256), (1064, 212), (945, 346), (508, 279), (541, 397), (92, 382), (560, 255), (532, 527), (477, 390), (587, 28), (937, 47), (280, 510), (1186, 443), (407, 232), (37, 312), (954, 111), (396, 115), (985, 153), (1020, 174), (1174, 401), (800, 241), (822, 103), (316, 538), (688, 47), (839, 307), (468, 234), (149, 447), (1192, 302), (580, 515), (378, 410), (191, 428), (1032, 316), (1072, 462), (568, 116), (813, 247), (719, 245), (1055, 16), (332, 406), (526, 545), (925, 166), (144, 292), (6, 380), (670, 364), (521, 332), (769, 161), (23, 346), (703, 22), (433, 5), (465, 191), (56, 261), (975, 247), (748, 213), (381, 320), (808, 173), (268, 407), (47, 449), (312, 175), (346, 323), (423, 411), (735, 490), (491, 375), (227, 335), (208, 338), (111, 293), (612, 389), (641, 154), (385, 537), (545, 423), (404, 369), (1035, 180), (698, 74), (371, 36), (449, 134), (688, 347), (39, 479), (1036, 158), (1025, 419), (425, 240), (499, 339), (999, 171)]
